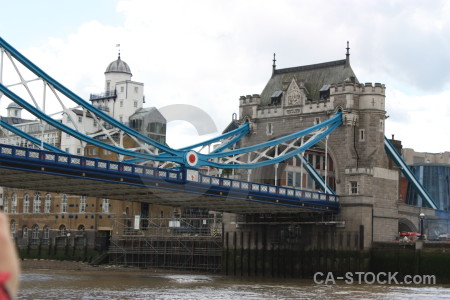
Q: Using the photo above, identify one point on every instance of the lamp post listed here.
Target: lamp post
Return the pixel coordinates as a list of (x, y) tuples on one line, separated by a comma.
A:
[(421, 216)]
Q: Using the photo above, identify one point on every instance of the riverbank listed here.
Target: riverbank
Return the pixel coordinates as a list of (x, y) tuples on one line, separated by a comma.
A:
[(50, 264)]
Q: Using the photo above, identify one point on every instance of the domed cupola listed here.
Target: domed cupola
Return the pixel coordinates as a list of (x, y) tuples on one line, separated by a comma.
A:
[(14, 110), (118, 66)]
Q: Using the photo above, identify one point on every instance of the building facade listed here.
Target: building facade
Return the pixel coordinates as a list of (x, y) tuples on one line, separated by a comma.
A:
[(360, 171), (42, 219)]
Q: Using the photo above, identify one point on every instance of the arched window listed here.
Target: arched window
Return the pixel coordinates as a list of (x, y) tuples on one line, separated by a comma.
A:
[(81, 227), (37, 203), (48, 203), (13, 228), (35, 232), (46, 233), (82, 205), (26, 203), (14, 203), (62, 230), (64, 203), (5, 204), (25, 232)]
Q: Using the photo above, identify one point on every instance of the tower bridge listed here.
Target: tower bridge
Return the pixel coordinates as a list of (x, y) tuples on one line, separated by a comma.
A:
[(311, 165)]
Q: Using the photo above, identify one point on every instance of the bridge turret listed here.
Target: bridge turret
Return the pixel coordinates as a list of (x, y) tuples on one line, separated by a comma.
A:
[(248, 106)]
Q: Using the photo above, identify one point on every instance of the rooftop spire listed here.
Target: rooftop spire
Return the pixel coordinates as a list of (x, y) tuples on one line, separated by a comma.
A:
[(118, 46), (274, 66), (347, 55)]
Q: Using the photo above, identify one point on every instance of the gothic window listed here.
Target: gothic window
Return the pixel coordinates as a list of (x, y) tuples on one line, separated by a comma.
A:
[(48, 203), (62, 230), (121, 89), (5, 204), (381, 126), (353, 187), (46, 233), (26, 203), (121, 103), (64, 203), (316, 121), (13, 228), (135, 103), (80, 119), (298, 179), (269, 129), (37, 203), (14, 203), (82, 205), (25, 232), (35, 232), (362, 136), (290, 179)]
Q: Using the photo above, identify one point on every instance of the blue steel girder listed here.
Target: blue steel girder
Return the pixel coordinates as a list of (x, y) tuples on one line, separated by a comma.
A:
[(219, 158), (78, 100), (236, 158), (315, 175), (397, 158), (51, 171)]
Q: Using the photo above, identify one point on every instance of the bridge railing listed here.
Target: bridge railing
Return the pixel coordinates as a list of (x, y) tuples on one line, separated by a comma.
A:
[(172, 175), (267, 189)]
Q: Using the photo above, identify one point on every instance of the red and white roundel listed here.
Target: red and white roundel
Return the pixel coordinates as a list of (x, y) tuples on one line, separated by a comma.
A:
[(192, 158)]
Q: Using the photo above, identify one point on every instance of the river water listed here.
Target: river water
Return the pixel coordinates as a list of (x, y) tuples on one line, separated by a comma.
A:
[(105, 284)]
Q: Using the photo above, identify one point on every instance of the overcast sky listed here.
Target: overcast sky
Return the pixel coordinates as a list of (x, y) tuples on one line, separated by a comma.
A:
[(208, 53)]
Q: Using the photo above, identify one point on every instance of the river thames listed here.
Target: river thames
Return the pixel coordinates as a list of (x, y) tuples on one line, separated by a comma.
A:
[(148, 284)]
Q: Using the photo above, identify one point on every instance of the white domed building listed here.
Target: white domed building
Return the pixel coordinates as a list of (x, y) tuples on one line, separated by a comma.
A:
[(122, 96)]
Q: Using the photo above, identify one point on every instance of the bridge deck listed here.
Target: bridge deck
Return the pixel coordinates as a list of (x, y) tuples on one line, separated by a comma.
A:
[(62, 173)]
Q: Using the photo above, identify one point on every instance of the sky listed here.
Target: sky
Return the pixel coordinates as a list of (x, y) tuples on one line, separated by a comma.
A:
[(207, 53)]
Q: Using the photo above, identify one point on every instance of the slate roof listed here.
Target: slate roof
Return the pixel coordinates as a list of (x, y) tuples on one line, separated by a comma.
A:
[(151, 112), (314, 77), (14, 120), (118, 66)]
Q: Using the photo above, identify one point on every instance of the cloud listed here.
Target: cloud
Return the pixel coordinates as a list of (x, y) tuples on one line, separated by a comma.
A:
[(420, 122), (208, 53)]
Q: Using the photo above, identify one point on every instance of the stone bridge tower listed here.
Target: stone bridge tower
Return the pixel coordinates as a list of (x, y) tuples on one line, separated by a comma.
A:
[(358, 166)]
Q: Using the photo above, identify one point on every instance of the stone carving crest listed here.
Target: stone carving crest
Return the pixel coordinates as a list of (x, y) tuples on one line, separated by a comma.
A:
[(294, 95)]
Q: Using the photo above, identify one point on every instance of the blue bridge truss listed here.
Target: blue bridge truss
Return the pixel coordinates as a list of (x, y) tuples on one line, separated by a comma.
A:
[(59, 172)]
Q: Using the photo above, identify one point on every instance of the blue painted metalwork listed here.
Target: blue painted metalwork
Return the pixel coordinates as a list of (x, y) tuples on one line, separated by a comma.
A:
[(314, 174), (168, 154), (47, 162), (335, 120), (332, 124), (72, 96), (77, 134), (409, 174), (32, 139), (239, 132)]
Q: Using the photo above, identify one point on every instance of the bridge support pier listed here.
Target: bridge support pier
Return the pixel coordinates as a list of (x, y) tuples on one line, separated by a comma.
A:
[(283, 249)]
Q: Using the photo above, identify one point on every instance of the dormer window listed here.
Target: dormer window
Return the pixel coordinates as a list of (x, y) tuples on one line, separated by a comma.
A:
[(276, 98), (324, 92)]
